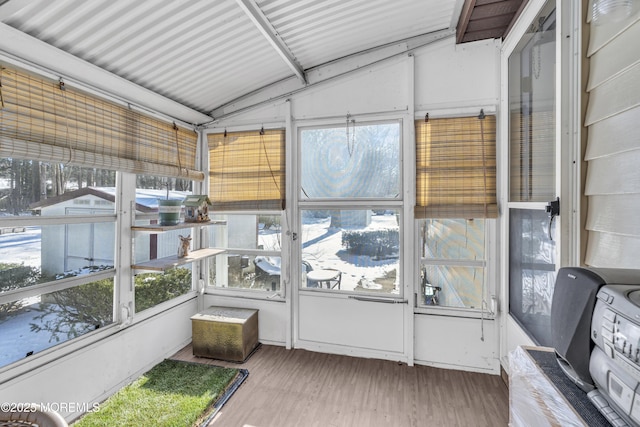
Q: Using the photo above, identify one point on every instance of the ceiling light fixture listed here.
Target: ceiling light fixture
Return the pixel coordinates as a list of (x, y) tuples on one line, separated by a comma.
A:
[(608, 11)]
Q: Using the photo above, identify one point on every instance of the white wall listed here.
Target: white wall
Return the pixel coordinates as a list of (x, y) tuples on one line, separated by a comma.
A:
[(457, 343), (272, 316), (453, 76), (442, 78)]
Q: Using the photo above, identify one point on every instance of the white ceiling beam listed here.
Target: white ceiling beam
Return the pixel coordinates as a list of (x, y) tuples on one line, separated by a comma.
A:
[(327, 72), (253, 11)]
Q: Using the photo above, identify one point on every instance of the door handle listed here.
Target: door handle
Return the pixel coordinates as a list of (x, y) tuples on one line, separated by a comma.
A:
[(553, 209)]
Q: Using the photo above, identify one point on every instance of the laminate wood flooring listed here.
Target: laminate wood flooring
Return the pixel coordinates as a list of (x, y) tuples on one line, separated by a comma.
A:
[(300, 388)]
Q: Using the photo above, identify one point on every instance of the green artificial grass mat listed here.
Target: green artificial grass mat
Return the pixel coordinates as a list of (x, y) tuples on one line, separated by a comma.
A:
[(172, 394)]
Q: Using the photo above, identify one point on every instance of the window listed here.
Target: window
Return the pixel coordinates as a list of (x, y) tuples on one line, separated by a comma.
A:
[(60, 150), (247, 190), (51, 121), (532, 178), (252, 260), (532, 271), (452, 263), (153, 288), (350, 198), (57, 251), (455, 199), (351, 250), (352, 162)]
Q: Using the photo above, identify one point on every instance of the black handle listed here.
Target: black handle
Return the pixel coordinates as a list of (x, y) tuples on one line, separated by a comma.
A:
[(553, 209)]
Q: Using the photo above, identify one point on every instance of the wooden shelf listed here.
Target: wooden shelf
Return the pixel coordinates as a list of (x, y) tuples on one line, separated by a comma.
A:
[(157, 228), (162, 264)]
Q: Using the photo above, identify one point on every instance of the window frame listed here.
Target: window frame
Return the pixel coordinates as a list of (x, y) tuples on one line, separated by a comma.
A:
[(396, 203), (61, 284), (490, 272), (233, 291), (491, 237), (284, 254)]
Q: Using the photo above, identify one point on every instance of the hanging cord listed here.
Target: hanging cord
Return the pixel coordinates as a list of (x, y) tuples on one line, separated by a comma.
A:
[(175, 127), (224, 148), (481, 117), (483, 303), (266, 156), (1, 97), (63, 92)]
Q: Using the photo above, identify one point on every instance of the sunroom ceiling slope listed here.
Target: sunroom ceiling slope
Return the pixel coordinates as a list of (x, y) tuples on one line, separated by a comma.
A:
[(205, 54)]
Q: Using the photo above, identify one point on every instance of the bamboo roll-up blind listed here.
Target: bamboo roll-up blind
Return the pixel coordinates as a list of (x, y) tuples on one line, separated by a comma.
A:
[(456, 168), (247, 170), (43, 120)]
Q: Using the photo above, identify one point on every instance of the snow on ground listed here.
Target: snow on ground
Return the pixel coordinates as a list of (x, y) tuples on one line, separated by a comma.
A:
[(22, 247), (16, 338), (322, 248)]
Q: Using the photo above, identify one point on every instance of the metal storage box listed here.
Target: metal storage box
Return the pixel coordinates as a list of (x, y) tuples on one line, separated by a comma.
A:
[(225, 333)]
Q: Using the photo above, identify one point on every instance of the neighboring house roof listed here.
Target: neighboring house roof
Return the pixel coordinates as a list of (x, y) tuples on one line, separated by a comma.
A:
[(146, 199)]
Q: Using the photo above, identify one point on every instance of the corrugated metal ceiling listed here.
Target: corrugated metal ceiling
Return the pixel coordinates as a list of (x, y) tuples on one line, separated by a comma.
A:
[(206, 53)]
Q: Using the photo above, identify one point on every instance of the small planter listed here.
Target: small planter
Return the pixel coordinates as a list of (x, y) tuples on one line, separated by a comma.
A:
[(169, 211)]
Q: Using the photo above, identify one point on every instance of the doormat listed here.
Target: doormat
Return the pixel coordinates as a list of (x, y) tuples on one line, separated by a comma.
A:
[(173, 393)]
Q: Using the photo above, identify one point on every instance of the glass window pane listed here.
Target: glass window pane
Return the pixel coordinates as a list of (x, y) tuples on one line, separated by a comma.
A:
[(354, 161), (351, 250), (453, 262), (450, 239), (153, 288), (257, 269), (50, 189), (448, 286), (247, 232), (55, 251), (532, 91), (532, 271), (253, 272), (31, 325)]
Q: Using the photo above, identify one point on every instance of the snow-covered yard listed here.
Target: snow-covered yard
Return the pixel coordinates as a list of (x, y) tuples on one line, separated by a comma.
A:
[(322, 248), (22, 247)]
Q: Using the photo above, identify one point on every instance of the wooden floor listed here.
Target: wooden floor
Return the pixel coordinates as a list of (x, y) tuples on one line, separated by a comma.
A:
[(302, 388)]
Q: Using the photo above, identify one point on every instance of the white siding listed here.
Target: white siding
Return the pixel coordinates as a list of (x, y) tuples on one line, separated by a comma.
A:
[(613, 147)]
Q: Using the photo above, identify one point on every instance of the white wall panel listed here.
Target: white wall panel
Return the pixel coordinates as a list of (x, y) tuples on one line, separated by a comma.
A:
[(455, 343), (606, 250), (616, 174), (616, 214), (617, 134), (613, 146), (384, 88), (450, 75), (620, 54), (272, 316), (350, 323), (615, 95)]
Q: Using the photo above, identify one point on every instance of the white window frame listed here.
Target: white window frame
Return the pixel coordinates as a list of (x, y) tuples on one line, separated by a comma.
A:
[(211, 289), (491, 261), (397, 203)]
